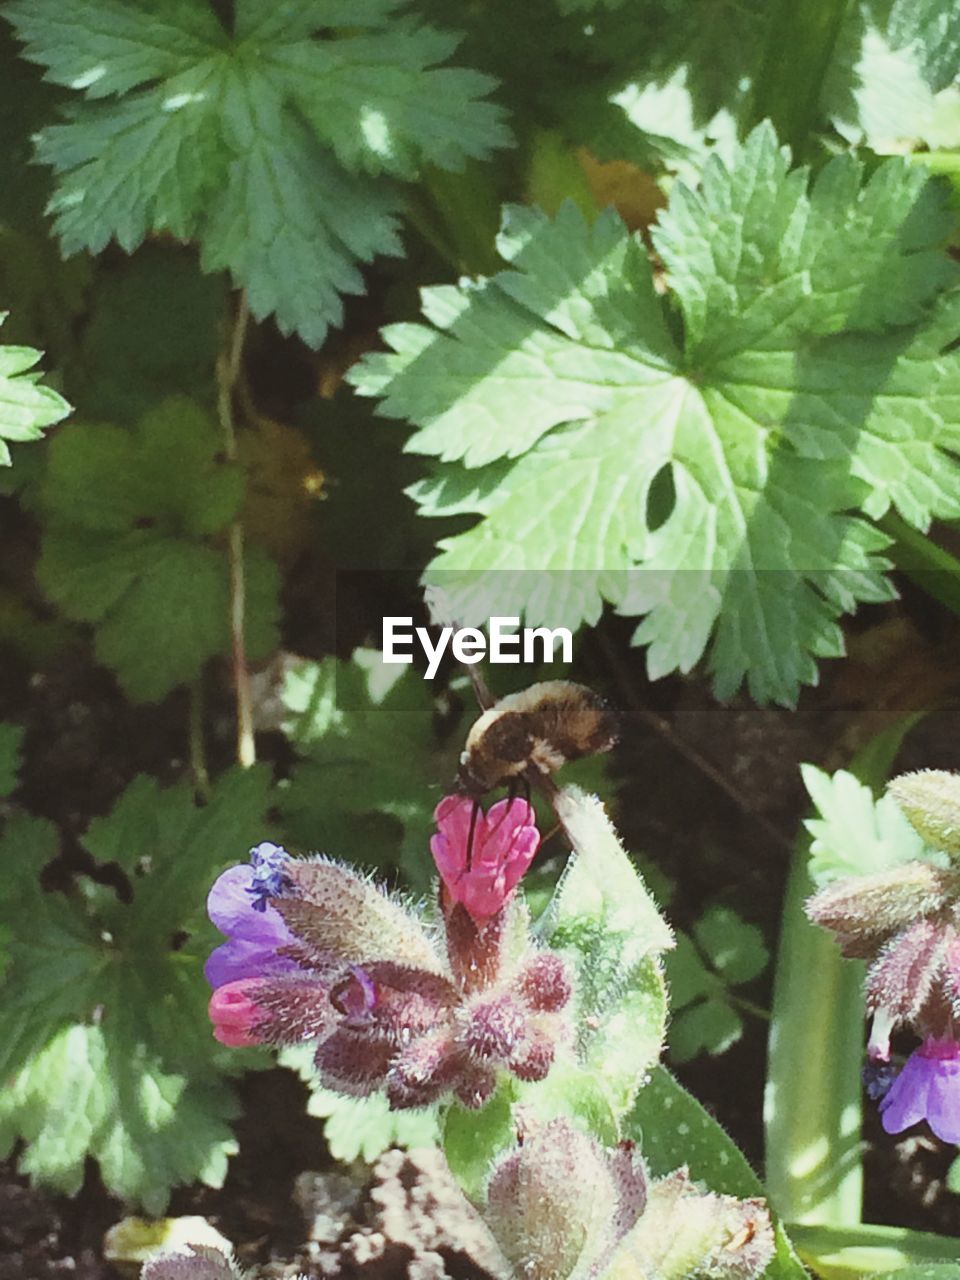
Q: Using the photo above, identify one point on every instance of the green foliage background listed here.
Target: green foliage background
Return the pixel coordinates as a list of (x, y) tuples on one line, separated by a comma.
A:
[(657, 307)]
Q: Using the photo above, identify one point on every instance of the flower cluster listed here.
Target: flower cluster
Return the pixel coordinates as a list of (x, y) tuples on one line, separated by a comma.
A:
[(316, 952), (906, 922)]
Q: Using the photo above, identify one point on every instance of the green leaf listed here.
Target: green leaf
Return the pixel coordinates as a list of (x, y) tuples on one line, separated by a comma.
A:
[(88, 1094), (361, 1128), (880, 91), (473, 1139), (103, 1032), (710, 1026), (173, 849), (154, 323), (857, 834), (849, 1252), (55, 959), (703, 1017), (604, 915), (125, 546), (673, 1130), (735, 948), (367, 783), (803, 390), (256, 143), (26, 406), (11, 740), (932, 27)]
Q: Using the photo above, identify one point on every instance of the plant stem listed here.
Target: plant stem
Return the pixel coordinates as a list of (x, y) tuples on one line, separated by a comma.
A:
[(933, 569), (198, 755), (228, 374), (799, 50), (812, 1102)]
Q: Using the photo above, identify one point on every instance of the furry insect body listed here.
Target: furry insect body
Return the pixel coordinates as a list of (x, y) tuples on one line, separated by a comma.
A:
[(540, 728)]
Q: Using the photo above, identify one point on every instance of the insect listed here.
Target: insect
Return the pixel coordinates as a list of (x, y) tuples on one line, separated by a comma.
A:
[(540, 728)]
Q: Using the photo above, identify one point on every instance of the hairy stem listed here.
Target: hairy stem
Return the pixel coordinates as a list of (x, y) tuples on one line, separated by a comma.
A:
[(228, 375)]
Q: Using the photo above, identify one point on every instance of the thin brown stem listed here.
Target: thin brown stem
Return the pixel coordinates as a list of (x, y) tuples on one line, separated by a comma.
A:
[(198, 754), (228, 375)]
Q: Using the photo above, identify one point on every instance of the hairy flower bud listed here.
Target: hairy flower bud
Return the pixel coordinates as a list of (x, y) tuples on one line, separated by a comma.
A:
[(864, 911), (338, 912), (352, 1063), (544, 982), (494, 1027), (930, 799), (193, 1262), (423, 1070), (684, 1232), (559, 1204), (235, 1014), (534, 1058)]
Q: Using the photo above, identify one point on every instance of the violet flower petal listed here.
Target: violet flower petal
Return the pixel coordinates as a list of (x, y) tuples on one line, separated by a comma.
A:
[(906, 1101), (243, 958), (943, 1100)]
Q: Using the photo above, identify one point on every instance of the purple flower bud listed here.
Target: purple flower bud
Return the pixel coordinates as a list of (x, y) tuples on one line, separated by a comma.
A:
[(475, 1088), (902, 977), (424, 1070), (545, 982), (928, 1088), (534, 1058), (494, 1027), (353, 1063)]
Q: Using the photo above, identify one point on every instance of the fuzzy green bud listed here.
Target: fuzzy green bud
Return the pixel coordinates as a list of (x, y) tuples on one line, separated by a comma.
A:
[(684, 1232), (559, 1203), (930, 800)]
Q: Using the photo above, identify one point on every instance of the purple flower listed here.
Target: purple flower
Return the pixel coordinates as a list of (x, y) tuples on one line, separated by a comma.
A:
[(237, 905), (928, 1088)]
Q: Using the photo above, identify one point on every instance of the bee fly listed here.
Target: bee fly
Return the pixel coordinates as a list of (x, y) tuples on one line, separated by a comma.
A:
[(534, 731)]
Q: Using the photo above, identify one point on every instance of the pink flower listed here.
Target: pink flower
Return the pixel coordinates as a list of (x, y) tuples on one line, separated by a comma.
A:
[(928, 1088), (234, 1014), (504, 842)]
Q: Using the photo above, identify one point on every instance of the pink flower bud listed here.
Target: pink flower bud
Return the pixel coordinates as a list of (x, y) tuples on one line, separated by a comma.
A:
[(423, 1070), (475, 1088), (494, 1027), (482, 874), (545, 982), (235, 1014), (534, 1058)]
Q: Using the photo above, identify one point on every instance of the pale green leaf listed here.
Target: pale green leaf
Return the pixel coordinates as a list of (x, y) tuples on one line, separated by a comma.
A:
[(603, 914), (27, 407), (361, 1127), (803, 394), (855, 833), (87, 1094)]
